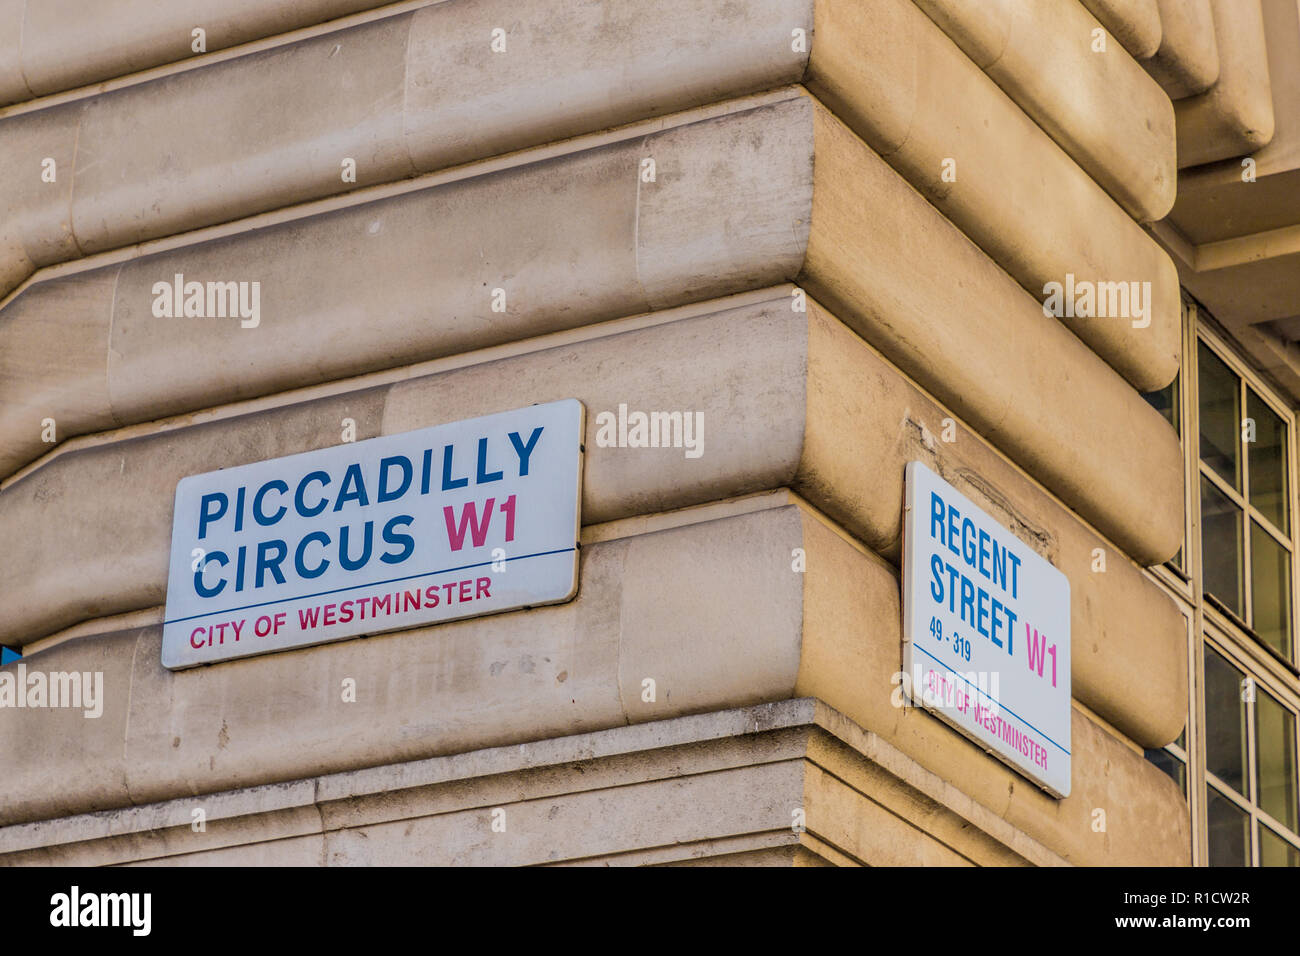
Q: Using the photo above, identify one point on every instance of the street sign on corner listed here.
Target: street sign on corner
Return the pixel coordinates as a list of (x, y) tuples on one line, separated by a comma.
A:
[(458, 520), (986, 631)]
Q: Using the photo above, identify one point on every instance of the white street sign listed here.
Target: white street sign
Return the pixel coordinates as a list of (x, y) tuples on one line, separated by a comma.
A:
[(986, 631), (454, 521)]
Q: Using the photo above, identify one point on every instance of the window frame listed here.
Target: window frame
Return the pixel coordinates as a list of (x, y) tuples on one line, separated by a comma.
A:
[(1226, 647), (1247, 382), (1208, 624)]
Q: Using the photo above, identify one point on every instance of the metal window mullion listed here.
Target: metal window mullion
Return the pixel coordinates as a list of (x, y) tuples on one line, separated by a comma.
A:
[(1225, 790), (1281, 829), (1243, 454), (1196, 773), (1252, 790), (1217, 480), (1258, 517), (1291, 518)]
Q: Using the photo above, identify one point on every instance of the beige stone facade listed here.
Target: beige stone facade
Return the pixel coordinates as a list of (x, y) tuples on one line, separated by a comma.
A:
[(829, 227)]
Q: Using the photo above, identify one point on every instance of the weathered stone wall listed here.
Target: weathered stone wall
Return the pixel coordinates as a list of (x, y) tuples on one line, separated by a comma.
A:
[(855, 211)]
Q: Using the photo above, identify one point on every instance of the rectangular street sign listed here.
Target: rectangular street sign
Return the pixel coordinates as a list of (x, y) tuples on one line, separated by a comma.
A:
[(453, 521), (986, 631)]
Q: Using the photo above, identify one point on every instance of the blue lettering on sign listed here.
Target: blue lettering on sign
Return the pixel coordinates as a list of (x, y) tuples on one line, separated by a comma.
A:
[(354, 544), (982, 555)]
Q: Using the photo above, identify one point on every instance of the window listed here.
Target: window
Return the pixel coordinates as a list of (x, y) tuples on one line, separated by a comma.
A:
[(1235, 581), (1173, 761), (1229, 840), (1250, 768), (1225, 722), (1275, 760), (1245, 504)]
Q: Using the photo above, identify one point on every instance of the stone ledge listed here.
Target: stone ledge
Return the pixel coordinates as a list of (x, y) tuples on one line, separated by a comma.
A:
[(1235, 116), (751, 631), (56, 45), (1041, 55), (783, 217), (1187, 62), (408, 94), (1137, 24), (901, 84), (699, 750)]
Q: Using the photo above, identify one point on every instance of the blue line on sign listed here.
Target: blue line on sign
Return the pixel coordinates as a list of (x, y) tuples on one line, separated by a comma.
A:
[(373, 584), (978, 691)]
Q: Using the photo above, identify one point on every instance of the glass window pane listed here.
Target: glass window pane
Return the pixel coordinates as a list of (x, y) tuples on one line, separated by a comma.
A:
[(1221, 551), (1274, 851), (1165, 402), (1275, 759), (1225, 721), (1267, 462), (1219, 400), (1270, 590), (1229, 836), (1171, 765)]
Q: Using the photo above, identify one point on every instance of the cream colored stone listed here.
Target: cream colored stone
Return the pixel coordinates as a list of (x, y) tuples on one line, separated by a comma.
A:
[(1135, 23), (868, 831), (37, 227), (796, 384), (982, 28), (663, 763), (1187, 62), (67, 43), (892, 76), (141, 174), (662, 239), (64, 749), (1138, 684), (13, 85), (894, 283), (53, 365), (456, 688), (740, 558), (1101, 108), (859, 676), (635, 815), (1235, 116), (446, 689), (582, 241), (571, 68), (412, 92)]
